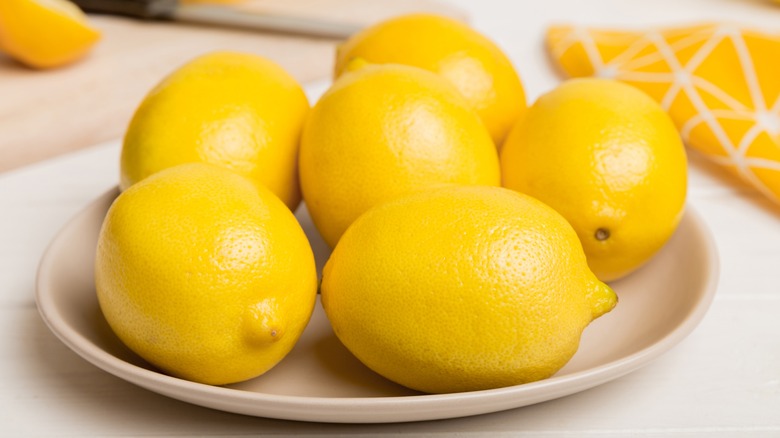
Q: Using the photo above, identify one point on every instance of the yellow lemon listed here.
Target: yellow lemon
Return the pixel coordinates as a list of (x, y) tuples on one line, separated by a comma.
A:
[(383, 131), (45, 33), (236, 110), (462, 288), (609, 159), (204, 275), (470, 61)]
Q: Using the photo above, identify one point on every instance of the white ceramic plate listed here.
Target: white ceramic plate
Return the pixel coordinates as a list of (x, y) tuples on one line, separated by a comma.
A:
[(321, 381)]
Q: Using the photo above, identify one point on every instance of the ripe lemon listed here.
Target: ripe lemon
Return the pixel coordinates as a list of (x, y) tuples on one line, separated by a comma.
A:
[(462, 288), (383, 131), (471, 62), (236, 110), (609, 159), (204, 275), (45, 33)]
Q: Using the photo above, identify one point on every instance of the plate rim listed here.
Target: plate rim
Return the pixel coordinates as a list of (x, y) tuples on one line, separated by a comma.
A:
[(331, 409)]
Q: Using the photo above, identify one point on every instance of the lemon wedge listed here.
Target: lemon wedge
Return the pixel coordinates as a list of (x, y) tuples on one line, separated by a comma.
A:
[(45, 33)]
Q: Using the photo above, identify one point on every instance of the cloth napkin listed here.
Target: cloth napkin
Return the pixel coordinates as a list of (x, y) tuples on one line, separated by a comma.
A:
[(720, 83)]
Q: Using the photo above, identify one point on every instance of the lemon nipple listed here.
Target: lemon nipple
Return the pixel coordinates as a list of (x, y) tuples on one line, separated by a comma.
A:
[(262, 324)]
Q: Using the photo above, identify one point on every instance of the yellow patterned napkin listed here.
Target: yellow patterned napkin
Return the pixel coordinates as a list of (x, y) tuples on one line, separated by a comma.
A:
[(720, 84)]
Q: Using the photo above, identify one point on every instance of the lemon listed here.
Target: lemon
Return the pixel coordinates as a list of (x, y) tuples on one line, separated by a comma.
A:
[(462, 288), (204, 275), (236, 110), (45, 33), (609, 159), (470, 61), (383, 131)]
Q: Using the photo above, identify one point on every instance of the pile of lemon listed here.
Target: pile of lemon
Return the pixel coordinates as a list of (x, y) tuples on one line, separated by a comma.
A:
[(439, 279)]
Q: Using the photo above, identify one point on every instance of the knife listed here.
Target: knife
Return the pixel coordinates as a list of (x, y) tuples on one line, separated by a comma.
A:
[(219, 15)]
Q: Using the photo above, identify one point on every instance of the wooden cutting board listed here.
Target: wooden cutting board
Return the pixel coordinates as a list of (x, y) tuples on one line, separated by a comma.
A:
[(46, 113)]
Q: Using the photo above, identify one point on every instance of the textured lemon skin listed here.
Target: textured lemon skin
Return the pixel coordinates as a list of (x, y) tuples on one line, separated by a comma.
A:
[(236, 110), (204, 275), (470, 61), (45, 33), (462, 288), (607, 157), (382, 132)]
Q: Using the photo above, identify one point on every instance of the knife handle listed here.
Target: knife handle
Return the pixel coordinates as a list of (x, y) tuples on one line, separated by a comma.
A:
[(221, 16), (148, 9)]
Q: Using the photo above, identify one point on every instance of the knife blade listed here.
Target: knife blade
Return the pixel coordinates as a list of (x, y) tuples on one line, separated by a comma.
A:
[(219, 15)]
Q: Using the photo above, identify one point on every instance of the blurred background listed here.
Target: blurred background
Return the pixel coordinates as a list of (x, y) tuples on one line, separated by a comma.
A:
[(48, 111)]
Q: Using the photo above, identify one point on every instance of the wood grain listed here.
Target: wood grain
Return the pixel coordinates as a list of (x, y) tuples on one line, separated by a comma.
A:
[(46, 113)]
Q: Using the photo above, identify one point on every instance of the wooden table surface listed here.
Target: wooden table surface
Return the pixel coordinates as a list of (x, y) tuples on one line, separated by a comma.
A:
[(721, 381)]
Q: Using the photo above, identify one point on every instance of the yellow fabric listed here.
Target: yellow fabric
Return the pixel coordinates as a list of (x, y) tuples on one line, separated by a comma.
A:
[(720, 84)]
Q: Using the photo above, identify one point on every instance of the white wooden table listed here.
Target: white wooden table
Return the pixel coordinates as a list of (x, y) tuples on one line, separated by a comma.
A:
[(722, 381)]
